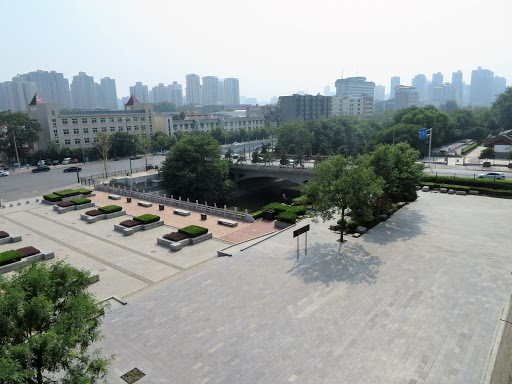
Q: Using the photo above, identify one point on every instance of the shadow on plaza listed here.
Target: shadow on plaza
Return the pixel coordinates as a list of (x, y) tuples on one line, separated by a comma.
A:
[(403, 225), (336, 262)]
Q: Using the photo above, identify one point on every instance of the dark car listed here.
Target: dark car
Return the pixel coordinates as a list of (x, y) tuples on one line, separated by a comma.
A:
[(55, 162), (136, 157), (73, 169), (41, 168), (74, 161)]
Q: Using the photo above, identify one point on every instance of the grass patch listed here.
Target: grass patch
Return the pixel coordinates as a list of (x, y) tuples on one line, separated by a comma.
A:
[(193, 231), (278, 207), (81, 201), (147, 218), (84, 191), (298, 210), (110, 209), (9, 257), (132, 376), (52, 197), (287, 217), (67, 193), (257, 215)]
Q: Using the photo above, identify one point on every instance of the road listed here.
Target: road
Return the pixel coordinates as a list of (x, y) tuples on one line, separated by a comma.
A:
[(23, 183)]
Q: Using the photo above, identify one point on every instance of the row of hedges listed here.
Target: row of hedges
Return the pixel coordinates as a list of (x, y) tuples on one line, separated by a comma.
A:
[(486, 191), (469, 149), (12, 256), (287, 217), (286, 213), (467, 181), (58, 195), (193, 231)]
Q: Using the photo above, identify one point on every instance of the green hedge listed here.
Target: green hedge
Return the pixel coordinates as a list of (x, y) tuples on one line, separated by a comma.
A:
[(351, 226), (486, 191), (81, 201), (147, 218), (193, 231), (298, 210), (84, 191), (287, 217), (67, 192), (257, 215), (469, 181), (52, 197), (469, 149), (9, 257), (278, 207), (110, 209)]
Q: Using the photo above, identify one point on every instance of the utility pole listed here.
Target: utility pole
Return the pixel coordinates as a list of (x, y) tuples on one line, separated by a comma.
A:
[(431, 130)]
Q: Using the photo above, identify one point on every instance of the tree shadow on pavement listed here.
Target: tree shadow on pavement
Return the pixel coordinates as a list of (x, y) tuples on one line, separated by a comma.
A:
[(404, 225), (328, 263)]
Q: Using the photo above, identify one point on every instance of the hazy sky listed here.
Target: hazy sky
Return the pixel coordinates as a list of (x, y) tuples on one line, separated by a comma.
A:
[(274, 47)]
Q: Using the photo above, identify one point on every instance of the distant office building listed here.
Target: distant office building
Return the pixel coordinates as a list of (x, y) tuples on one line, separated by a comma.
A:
[(304, 108), (420, 83), (395, 82), (441, 94), (437, 79), (210, 90), (83, 91), (499, 85), (161, 93), (379, 94), (205, 123), (231, 91), (482, 87), (140, 91), (51, 86), (355, 86), (15, 95), (406, 97), (107, 93), (220, 92), (193, 89), (176, 93), (327, 90), (79, 128), (458, 84), (466, 94), (359, 107)]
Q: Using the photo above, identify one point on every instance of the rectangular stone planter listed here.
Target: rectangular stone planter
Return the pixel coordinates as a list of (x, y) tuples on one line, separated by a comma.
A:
[(93, 219), (10, 239), (178, 245), (83, 206), (26, 260), (63, 209), (130, 231)]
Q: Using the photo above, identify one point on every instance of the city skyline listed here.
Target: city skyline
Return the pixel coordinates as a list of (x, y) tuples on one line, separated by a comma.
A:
[(284, 69)]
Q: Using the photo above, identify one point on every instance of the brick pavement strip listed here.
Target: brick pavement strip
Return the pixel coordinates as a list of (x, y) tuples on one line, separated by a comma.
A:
[(416, 299)]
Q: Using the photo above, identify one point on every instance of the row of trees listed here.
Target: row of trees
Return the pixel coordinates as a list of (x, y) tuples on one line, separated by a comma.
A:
[(367, 185)]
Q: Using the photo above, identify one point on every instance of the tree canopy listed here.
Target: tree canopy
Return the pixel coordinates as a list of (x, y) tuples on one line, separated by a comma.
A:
[(20, 129), (502, 109), (48, 322), (194, 168)]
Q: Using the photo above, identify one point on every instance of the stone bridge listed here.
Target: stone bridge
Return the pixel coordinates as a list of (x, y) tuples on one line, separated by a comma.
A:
[(299, 176)]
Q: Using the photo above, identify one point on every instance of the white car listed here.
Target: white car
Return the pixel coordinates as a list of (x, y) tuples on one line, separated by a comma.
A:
[(492, 175), (4, 173)]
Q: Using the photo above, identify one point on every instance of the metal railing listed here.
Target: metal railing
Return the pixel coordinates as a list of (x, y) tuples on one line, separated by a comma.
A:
[(92, 180), (179, 203)]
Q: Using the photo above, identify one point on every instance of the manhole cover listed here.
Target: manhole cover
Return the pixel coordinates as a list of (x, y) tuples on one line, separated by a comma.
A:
[(132, 376)]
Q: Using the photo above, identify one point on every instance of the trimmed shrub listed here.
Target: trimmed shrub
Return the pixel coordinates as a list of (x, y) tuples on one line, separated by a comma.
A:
[(94, 212), (193, 231), (147, 218), (469, 149), (486, 191), (64, 204), (287, 217), (351, 226), (175, 236), (3, 234), (84, 191), (28, 251), (111, 208), (489, 183), (67, 193), (81, 201), (298, 210), (130, 223), (278, 207), (52, 197), (9, 257), (257, 215)]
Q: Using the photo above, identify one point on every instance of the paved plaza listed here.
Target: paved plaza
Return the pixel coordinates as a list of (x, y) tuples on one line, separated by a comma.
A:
[(415, 300)]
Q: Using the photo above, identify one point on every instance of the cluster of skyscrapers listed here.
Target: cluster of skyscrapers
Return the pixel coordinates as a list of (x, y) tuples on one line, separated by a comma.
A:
[(212, 91)]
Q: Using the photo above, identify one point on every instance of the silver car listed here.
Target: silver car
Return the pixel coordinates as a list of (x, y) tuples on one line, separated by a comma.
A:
[(492, 175)]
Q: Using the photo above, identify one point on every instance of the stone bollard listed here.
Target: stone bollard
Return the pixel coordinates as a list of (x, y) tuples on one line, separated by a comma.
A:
[(197, 204), (27, 202), (19, 203), (225, 210), (10, 205), (37, 200)]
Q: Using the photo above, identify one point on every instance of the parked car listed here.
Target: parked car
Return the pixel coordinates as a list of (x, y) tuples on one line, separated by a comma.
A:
[(55, 162), (4, 173), (67, 160), (116, 158), (74, 161), (136, 157), (4, 167), (16, 164), (73, 169), (41, 168), (492, 175)]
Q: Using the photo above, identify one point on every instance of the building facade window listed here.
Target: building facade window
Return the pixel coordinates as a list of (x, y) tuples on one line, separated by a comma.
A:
[(86, 130), (87, 140), (110, 119), (95, 140), (112, 129), (65, 121), (93, 120), (76, 131), (67, 142), (120, 129), (77, 141), (128, 127), (135, 118), (74, 121), (103, 129), (65, 131), (102, 119), (95, 130), (84, 120), (119, 119)]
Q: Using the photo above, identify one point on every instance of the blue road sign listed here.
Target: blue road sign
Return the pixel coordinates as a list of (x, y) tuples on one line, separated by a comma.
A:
[(423, 133)]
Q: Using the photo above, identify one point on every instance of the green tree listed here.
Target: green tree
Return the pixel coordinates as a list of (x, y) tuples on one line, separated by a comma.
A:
[(255, 156), (487, 153), (144, 146), (299, 159), (284, 159), (502, 109), (194, 168), (219, 134), (124, 143), (268, 158), (49, 320), (341, 184), (160, 141), (398, 168), (103, 145), (20, 129), (229, 155), (164, 106)]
